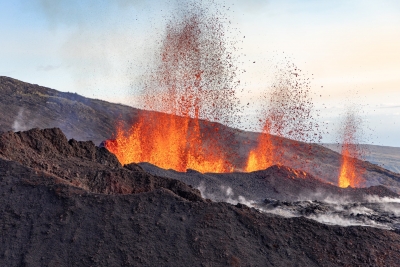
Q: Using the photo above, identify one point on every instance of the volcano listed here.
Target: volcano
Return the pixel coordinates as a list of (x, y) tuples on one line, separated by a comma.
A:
[(84, 182), (24, 106)]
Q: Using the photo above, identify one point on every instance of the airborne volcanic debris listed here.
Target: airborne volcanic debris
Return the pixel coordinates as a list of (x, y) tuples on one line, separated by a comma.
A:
[(68, 202), (192, 84), (350, 172), (288, 113)]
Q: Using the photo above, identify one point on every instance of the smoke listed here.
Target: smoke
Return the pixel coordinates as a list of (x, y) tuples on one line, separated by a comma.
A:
[(373, 211), (225, 194), (334, 219), (324, 196), (21, 123), (393, 208), (378, 199)]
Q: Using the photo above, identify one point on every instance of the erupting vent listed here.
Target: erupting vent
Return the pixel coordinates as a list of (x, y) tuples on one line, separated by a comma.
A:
[(287, 113), (192, 85), (193, 81), (350, 174)]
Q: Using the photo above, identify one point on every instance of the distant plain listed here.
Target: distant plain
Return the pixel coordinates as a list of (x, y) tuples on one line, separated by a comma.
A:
[(385, 156)]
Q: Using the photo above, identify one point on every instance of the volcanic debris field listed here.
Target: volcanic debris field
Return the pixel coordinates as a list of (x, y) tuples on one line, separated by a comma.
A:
[(70, 203)]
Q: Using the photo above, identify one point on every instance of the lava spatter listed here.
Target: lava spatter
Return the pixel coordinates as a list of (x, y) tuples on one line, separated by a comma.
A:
[(350, 173), (287, 113), (192, 84)]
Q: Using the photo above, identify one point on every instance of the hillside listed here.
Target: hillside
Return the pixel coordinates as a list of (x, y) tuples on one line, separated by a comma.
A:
[(24, 106)]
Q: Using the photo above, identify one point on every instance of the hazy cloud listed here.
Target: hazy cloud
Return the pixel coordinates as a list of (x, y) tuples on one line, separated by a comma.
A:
[(73, 12), (48, 67), (251, 5), (389, 106), (100, 39)]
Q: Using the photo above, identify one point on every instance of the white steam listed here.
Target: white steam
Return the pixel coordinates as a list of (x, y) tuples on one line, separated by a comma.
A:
[(21, 123), (225, 194), (374, 211)]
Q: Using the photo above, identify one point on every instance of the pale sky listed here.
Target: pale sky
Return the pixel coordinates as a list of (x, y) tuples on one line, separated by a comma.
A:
[(96, 48)]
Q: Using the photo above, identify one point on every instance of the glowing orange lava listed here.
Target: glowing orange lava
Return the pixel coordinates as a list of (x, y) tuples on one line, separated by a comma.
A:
[(287, 114), (350, 174), (170, 142), (192, 81), (192, 85), (262, 156)]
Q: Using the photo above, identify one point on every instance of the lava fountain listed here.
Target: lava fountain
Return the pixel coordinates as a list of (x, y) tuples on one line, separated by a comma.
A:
[(350, 174), (261, 157), (287, 114), (190, 88)]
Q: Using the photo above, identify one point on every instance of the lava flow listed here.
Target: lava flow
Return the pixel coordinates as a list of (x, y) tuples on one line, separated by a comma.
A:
[(192, 84), (349, 174)]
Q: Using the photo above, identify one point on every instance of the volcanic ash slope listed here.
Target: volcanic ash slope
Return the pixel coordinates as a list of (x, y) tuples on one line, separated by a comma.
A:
[(69, 203)]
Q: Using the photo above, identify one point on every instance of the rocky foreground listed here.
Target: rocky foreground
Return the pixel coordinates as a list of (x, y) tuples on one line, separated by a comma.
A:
[(69, 203), (292, 193)]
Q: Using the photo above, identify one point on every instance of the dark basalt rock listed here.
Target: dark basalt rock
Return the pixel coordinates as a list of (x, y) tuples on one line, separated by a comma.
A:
[(83, 165), (69, 203), (278, 182), (56, 224)]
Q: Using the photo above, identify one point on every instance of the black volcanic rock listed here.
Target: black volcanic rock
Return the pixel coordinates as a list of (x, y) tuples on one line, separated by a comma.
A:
[(82, 164), (277, 182), (57, 210), (55, 224)]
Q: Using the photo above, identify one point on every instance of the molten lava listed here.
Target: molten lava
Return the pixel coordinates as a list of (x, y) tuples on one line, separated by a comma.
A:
[(168, 141), (350, 174), (261, 157), (288, 114), (192, 83)]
